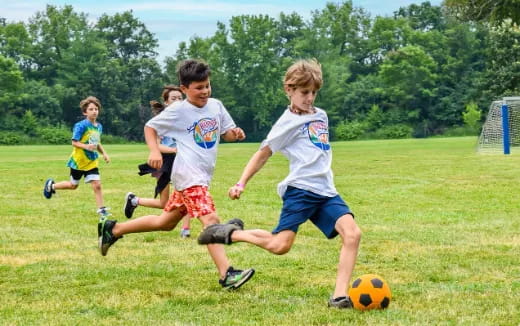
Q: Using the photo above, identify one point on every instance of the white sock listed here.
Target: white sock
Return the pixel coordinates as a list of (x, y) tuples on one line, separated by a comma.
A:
[(135, 201)]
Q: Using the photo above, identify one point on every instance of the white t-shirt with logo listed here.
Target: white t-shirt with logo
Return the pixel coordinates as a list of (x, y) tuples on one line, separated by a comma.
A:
[(197, 132), (304, 140)]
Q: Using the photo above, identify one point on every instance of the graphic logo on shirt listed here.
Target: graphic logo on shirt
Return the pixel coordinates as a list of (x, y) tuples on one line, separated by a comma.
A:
[(318, 134), (94, 138), (205, 132)]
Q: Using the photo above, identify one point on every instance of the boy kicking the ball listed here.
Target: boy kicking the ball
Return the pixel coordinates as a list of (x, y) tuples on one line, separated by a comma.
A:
[(308, 192), (197, 124)]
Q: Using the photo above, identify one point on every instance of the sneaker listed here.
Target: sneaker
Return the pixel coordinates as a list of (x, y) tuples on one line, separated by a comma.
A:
[(217, 233), (340, 302), (106, 237), (185, 233), (235, 278), (104, 212), (236, 221), (47, 189), (129, 207)]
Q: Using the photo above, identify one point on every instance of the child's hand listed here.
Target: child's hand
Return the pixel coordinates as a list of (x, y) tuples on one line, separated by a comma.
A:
[(155, 159), (106, 158), (239, 133), (90, 147), (235, 191)]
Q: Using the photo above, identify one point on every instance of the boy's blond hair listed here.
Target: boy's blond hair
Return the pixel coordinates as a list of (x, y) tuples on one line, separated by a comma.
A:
[(304, 73), (85, 102)]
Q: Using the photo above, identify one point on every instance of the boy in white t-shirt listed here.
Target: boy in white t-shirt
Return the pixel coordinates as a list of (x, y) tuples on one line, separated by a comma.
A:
[(197, 123), (308, 192)]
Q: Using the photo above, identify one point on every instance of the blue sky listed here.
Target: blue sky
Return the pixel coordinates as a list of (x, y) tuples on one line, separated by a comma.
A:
[(174, 21)]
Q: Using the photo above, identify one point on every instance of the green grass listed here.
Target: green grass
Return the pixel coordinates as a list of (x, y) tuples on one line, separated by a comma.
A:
[(440, 223)]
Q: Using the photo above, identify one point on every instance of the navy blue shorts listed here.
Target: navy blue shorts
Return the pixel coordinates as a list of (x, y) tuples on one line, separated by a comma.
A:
[(301, 205)]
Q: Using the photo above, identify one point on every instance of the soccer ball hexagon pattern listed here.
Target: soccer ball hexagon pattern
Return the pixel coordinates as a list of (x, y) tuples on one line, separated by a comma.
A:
[(370, 291)]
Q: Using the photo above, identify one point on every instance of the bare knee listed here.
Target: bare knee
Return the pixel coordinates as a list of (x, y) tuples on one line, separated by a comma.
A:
[(96, 186), (348, 229), (279, 248), (73, 186)]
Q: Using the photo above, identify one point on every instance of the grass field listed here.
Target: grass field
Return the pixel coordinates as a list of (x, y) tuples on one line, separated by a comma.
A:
[(440, 223)]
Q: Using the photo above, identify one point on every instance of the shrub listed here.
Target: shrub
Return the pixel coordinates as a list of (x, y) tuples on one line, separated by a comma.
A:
[(13, 138), (394, 132), (349, 130), (111, 139), (54, 135)]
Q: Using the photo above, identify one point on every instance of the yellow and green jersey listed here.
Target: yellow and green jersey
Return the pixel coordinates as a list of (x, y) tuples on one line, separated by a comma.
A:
[(86, 133)]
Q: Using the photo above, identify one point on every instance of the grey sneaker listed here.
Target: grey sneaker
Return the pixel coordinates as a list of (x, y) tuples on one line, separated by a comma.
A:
[(47, 188), (340, 302), (185, 233), (106, 237), (217, 233), (238, 222), (129, 207), (235, 278)]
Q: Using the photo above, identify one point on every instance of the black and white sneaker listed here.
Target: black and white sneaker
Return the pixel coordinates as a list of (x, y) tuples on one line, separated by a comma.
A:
[(129, 206), (48, 188)]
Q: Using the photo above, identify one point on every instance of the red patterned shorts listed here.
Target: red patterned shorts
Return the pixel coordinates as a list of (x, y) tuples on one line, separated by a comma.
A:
[(196, 201)]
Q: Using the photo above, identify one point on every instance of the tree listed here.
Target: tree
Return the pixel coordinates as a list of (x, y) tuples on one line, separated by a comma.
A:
[(11, 84), (495, 12), (127, 38), (52, 33)]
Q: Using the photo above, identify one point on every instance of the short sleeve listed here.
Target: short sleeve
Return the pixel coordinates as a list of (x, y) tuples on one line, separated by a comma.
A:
[(226, 120), (78, 131)]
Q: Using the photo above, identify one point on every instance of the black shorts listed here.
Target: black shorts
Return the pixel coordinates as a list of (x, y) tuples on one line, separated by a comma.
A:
[(90, 175)]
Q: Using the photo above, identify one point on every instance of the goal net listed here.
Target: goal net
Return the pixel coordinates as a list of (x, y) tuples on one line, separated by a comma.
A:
[(501, 131)]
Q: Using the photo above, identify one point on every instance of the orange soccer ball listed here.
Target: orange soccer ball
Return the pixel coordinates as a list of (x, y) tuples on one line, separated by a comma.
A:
[(370, 291)]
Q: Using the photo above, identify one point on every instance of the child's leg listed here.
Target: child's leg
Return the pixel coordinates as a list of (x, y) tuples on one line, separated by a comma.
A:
[(96, 186), (164, 222), (350, 236), (278, 244), (216, 251), (65, 185), (154, 202)]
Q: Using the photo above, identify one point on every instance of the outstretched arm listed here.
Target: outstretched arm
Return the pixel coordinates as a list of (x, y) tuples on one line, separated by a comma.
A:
[(256, 162), (155, 157)]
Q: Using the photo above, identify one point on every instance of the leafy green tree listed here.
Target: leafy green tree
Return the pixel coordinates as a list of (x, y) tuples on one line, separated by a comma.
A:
[(496, 11), (11, 84), (52, 33), (127, 37), (471, 116)]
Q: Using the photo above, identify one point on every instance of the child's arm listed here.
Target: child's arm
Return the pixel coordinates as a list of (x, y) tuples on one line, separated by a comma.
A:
[(256, 162), (155, 157), (101, 149), (234, 134), (88, 147)]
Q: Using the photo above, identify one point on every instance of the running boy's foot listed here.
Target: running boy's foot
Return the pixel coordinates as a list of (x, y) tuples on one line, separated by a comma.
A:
[(340, 302), (235, 278), (185, 233), (104, 212), (48, 189), (129, 206), (217, 233), (106, 237), (238, 222)]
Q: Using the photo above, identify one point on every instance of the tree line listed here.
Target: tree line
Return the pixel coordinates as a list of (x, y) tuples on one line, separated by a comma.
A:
[(422, 71)]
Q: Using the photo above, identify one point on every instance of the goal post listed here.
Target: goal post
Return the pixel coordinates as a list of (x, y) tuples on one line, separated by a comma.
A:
[(501, 130)]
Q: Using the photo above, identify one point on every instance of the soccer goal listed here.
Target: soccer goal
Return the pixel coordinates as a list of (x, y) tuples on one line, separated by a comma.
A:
[(501, 131)]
